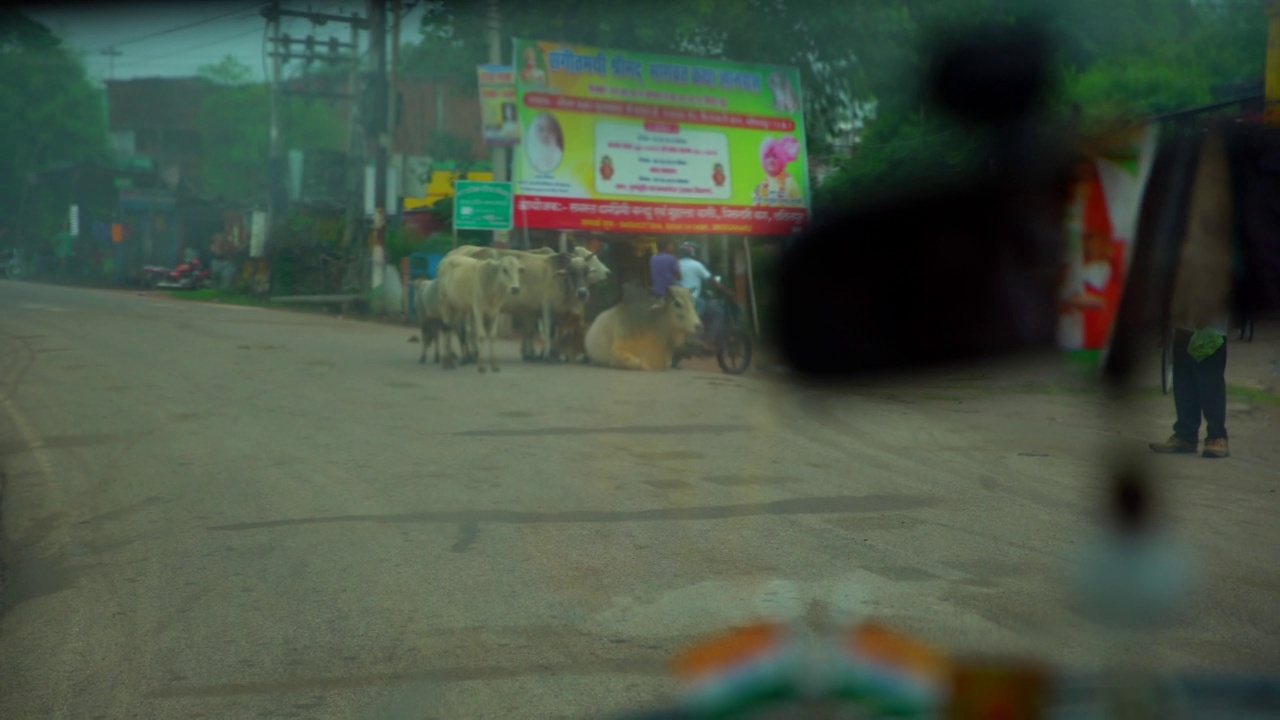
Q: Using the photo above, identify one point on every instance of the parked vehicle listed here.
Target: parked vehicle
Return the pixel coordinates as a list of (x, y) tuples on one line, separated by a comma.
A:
[(187, 276), (15, 264)]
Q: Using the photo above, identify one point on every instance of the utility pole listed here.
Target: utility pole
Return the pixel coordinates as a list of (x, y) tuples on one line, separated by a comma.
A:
[(356, 138), (393, 73), (378, 125), (275, 209), (498, 154), (111, 54)]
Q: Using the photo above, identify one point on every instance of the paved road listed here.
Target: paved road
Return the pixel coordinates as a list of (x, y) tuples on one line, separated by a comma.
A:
[(226, 512)]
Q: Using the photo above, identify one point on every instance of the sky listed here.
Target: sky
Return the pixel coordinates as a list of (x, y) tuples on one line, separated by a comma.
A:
[(174, 39)]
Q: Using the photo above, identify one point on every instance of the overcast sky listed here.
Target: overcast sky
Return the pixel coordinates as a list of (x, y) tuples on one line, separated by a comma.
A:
[(175, 39)]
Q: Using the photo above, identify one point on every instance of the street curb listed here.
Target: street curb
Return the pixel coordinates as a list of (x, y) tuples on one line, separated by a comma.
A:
[(4, 547)]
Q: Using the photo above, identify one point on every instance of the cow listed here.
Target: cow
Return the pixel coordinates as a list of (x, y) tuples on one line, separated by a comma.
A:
[(641, 332), (597, 272), (554, 286), (426, 301), (475, 289), (570, 338)]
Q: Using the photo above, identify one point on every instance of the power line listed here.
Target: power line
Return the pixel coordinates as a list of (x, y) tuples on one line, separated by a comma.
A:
[(176, 53), (179, 28), (163, 56)]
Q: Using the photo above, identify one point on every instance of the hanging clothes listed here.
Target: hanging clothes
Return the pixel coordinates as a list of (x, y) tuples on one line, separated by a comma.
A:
[(1255, 169)]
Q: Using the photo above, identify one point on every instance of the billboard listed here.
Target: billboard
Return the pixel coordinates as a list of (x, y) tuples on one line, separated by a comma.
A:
[(616, 141), (498, 117), (1101, 226)]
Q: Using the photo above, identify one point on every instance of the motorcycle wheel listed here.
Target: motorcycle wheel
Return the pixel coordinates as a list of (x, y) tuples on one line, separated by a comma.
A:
[(734, 353), (15, 270)]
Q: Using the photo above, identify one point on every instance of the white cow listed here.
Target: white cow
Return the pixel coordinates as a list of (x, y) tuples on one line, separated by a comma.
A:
[(426, 301), (475, 289), (553, 287), (642, 332), (597, 272)]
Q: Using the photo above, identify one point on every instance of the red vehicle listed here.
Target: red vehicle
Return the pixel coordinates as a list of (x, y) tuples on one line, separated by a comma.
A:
[(186, 276)]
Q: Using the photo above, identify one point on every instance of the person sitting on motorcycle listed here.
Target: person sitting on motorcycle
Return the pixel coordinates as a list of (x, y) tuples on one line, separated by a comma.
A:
[(693, 275)]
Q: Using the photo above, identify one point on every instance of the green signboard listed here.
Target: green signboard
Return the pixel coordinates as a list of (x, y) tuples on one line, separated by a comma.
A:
[(482, 205)]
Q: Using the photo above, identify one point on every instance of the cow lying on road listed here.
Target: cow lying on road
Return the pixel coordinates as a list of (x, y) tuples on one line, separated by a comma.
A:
[(475, 289), (641, 332)]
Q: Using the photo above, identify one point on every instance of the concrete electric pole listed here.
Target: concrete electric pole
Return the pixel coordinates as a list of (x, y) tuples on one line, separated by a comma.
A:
[(378, 125)]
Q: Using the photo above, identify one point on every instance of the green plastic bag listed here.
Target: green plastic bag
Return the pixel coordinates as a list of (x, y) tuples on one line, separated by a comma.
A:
[(1205, 342)]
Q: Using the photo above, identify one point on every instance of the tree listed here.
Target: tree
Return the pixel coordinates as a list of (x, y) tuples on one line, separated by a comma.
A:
[(49, 113), (811, 35), (1117, 58), (235, 125)]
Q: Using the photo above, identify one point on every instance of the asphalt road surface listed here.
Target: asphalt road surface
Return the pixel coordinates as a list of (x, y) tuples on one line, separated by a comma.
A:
[(223, 512)]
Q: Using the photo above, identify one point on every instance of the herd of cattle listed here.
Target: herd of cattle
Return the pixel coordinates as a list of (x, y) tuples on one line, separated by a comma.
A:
[(545, 293)]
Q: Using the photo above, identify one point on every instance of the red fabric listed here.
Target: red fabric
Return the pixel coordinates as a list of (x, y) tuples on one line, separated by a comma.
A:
[(1098, 321)]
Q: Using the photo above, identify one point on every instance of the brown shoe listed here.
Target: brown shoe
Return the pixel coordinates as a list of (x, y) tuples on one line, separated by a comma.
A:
[(1174, 444), (1216, 448)]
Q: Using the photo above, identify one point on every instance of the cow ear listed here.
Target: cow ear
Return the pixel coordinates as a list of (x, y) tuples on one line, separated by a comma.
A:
[(588, 257)]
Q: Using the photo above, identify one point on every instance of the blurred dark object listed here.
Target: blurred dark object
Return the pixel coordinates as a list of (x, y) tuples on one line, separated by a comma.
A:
[(964, 272), (999, 79), (1253, 153), (1162, 224)]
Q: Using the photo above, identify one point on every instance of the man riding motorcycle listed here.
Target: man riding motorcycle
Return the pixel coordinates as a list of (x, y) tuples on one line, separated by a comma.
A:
[(693, 275)]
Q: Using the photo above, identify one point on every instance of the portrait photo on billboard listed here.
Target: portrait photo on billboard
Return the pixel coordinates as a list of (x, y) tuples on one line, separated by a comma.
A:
[(544, 143), (533, 69)]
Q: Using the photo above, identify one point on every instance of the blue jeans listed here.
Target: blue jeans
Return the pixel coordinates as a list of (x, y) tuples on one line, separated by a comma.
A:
[(712, 316)]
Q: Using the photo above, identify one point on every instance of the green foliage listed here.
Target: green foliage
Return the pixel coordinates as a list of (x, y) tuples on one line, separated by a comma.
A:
[(401, 241), (1117, 58), (447, 147), (235, 122), (49, 113), (227, 71)]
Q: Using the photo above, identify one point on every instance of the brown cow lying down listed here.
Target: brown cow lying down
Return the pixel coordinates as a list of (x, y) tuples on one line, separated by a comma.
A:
[(641, 332)]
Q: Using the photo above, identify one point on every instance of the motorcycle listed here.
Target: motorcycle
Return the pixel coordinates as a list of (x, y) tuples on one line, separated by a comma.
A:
[(186, 276), (733, 349), (17, 267)]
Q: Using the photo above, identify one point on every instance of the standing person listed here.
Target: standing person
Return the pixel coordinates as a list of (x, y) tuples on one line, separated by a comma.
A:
[(1199, 388), (693, 275), (1200, 308), (664, 268)]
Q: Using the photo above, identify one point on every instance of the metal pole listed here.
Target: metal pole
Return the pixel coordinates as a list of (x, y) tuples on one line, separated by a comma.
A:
[(751, 285)]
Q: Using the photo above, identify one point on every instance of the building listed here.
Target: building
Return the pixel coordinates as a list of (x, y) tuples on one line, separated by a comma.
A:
[(154, 124)]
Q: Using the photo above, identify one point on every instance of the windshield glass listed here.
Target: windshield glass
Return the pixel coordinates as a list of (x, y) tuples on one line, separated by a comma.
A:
[(449, 359)]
